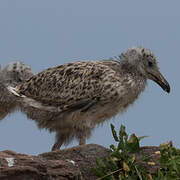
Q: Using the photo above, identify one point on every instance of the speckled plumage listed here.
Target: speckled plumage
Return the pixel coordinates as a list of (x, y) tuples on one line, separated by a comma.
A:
[(76, 83), (73, 98)]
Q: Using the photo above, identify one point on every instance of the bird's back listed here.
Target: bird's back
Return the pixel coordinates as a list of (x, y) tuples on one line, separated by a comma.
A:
[(70, 83)]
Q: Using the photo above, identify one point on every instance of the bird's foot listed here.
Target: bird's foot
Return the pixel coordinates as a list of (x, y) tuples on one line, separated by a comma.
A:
[(82, 141), (56, 146)]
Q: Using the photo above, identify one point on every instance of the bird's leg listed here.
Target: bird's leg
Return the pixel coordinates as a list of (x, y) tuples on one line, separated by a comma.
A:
[(57, 145), (82, 141)]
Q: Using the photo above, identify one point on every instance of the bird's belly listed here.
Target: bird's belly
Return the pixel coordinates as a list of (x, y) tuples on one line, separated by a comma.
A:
[(78, 120), (94, 116), (105, 111)]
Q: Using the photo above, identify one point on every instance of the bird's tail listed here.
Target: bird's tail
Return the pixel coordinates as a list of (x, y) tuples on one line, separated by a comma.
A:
[(26, 102)]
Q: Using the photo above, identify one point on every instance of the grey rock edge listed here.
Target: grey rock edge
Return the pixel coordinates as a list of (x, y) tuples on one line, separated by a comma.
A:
[(72, 163)]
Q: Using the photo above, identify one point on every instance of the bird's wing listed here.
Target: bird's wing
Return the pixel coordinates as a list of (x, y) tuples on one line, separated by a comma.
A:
[(73, 85)]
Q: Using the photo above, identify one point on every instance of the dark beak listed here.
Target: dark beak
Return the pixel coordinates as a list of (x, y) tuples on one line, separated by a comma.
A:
[(159, 79)]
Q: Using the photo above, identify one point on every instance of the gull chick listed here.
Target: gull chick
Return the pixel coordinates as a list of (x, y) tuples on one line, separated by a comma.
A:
[(11, 75), (72, 99)]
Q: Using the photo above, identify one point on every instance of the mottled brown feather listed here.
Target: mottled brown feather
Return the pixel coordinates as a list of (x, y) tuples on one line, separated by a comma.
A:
[(71, 84)]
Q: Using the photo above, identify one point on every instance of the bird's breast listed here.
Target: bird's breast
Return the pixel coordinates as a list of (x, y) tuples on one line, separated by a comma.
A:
[(129, 90)]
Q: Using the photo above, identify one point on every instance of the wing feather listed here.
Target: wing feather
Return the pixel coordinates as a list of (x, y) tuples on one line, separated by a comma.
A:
[(73, 85)]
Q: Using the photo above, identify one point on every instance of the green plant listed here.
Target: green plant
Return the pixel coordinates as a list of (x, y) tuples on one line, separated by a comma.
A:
[(122, 164), (170, 162)]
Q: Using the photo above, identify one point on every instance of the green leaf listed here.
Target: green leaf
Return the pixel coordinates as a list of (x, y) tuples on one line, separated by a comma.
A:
[(100, 164), (133, 144), (112, 147), (114, 133), (122, 139), (142, 137), (113, 166), (138, 173), (122, 132), (146, 157), (97, 172)]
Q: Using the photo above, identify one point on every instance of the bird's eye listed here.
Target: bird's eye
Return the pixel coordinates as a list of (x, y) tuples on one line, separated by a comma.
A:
[(150, 64)]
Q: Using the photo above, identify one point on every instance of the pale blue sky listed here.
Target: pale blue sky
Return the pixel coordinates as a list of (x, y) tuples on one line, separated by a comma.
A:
[(45, 33)]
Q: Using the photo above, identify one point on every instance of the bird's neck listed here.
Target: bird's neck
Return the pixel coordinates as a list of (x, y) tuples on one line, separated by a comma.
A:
[(132, 77), (134, 83), (132, 74)]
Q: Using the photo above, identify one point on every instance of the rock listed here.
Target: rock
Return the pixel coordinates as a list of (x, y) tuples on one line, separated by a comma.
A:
[(73, 163), (15, 166), (149, 151), (83, 156)]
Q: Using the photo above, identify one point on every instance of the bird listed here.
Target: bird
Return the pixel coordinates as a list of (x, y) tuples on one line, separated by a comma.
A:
[(15, 73), (73, 98), (11, 75)]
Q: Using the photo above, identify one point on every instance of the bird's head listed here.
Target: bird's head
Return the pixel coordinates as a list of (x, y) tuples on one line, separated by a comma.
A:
[(15, 73), (144, 61)]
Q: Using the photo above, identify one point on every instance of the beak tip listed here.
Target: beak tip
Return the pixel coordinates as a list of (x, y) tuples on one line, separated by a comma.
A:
[(161, 81), (167, 88)]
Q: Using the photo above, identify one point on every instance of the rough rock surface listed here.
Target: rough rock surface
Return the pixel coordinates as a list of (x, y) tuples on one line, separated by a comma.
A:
[(72, 163)]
